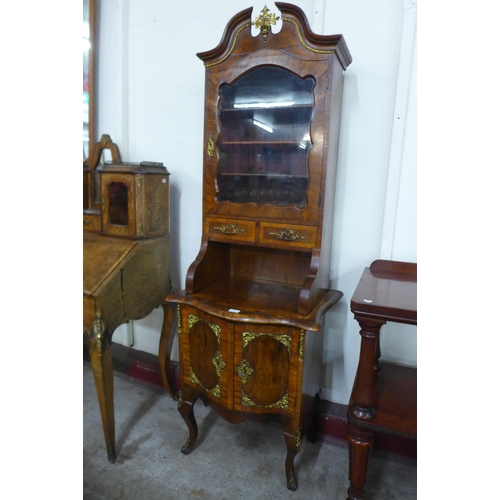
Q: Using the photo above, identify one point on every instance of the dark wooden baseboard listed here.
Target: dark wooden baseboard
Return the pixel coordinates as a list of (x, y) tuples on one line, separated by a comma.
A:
[(329, 422)]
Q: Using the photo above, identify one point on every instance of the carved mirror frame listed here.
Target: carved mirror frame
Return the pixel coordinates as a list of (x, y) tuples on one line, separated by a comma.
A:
[(89, 16)]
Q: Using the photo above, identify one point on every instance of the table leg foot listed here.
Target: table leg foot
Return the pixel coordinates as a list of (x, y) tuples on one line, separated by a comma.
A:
[(99, 342), (292, 448), (186, 410), (360, 444)]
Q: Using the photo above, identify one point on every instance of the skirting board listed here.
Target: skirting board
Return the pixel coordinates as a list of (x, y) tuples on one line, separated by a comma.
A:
[(330, 422)]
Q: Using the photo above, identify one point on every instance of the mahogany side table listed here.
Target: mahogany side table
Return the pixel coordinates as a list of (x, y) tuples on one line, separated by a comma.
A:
[(384, 395)]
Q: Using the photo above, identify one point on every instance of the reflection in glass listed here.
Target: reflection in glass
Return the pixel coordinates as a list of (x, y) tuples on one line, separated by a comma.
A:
[(265, 122), (86, 66)]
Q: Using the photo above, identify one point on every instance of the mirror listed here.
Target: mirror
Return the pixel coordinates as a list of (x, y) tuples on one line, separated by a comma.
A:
[(88, 76)]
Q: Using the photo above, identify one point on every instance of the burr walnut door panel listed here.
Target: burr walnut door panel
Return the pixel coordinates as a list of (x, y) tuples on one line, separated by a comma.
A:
[(206, 353), (265, 369)]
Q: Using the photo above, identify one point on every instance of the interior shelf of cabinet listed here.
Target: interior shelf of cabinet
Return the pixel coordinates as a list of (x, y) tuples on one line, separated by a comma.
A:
[(396, 396), (269, 175), (265, 143), (272, 109)]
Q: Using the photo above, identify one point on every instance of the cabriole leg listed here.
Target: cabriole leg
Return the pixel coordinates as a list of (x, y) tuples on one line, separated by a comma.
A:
[(186, 410), (292, 448)]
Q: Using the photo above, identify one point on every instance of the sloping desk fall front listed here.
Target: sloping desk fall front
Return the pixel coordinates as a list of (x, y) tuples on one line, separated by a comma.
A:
[(123, 280)]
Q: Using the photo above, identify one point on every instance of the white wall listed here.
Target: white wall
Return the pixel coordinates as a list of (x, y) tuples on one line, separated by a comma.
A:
[(150, 100)]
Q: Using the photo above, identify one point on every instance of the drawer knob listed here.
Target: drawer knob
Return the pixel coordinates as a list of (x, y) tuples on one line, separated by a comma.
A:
[(288, 235), (229, 229)]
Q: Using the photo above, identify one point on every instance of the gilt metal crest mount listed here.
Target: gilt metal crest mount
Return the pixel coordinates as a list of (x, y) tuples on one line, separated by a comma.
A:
[(264, 22)]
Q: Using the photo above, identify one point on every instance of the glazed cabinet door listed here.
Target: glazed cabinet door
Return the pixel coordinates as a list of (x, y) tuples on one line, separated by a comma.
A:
[(265, 369), (205, 353), (265, 138)]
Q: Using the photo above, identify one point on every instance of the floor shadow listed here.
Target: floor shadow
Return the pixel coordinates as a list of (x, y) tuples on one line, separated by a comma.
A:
[(139, 413)]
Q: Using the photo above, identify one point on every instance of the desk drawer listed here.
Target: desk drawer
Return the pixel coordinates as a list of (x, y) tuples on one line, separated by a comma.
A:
[(91, 222), (230, 230), (287, 235)]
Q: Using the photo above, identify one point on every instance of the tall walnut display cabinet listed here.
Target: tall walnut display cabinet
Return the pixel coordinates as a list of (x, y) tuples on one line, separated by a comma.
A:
[(249, 319)]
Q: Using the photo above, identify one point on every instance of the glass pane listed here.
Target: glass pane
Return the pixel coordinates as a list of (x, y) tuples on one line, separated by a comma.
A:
[(118, 204), (265, 122)]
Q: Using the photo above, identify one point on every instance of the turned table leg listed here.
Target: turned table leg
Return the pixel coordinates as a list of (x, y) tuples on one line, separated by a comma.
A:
[(363, 392), (360, 444), (362, 406), (99, 342)]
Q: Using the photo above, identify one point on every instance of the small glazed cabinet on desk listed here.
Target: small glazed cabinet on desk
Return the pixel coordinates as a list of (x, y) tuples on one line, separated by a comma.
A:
[(249, 318), (384, 395)]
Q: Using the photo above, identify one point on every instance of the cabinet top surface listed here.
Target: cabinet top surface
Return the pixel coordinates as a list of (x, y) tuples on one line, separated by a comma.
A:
[(257, 301), (387, 290)]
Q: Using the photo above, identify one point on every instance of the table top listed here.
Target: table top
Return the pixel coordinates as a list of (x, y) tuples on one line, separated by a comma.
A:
[(387, 290)]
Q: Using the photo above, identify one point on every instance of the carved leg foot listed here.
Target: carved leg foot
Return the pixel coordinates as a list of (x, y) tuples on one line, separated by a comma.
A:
[(99, 342), (292, 448), (360, 444), (187, 413)]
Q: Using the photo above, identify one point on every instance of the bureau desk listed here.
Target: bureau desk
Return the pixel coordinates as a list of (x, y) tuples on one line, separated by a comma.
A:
[(123, 280), (384, 395), (125, 258)]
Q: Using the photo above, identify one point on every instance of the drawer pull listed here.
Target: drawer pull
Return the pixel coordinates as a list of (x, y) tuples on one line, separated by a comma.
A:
[(87, 221), (229, 229), (288, 235)]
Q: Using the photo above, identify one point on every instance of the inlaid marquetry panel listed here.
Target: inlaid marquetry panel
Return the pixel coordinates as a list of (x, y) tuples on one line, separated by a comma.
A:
[(269, 356), (204, 347)]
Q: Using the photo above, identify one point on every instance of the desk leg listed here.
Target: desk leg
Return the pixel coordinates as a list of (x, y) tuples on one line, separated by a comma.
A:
[(360, 444), (99, 342)]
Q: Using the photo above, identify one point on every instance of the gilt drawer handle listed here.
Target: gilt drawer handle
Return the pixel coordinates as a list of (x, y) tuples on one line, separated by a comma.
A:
[(87, 221), (288, 235), (229, 229)]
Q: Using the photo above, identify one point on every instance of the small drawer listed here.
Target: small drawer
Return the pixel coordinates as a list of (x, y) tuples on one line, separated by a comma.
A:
[(230, 230), (91, 222), (287, 235)]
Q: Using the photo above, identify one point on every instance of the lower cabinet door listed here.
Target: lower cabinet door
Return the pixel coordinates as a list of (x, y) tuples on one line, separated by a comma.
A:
[(265, 365), (205, 353)]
